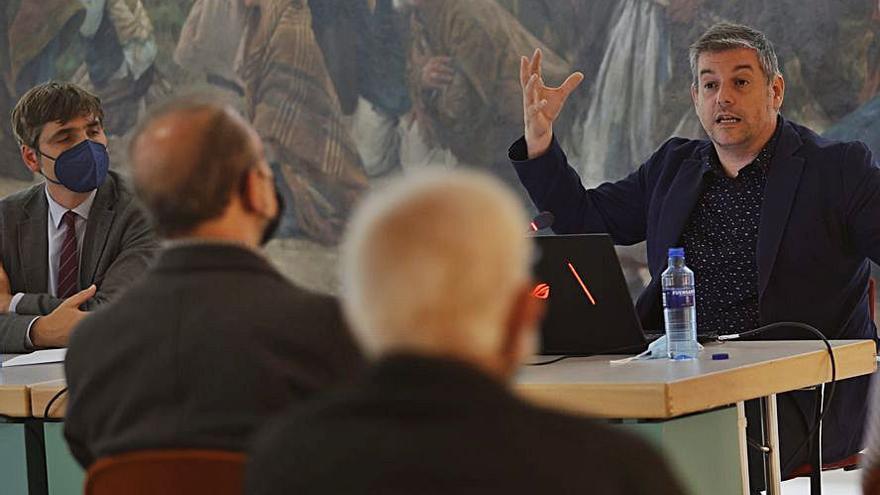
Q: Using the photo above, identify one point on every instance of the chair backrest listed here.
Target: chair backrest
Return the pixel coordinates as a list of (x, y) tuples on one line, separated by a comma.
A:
[(170, 472)]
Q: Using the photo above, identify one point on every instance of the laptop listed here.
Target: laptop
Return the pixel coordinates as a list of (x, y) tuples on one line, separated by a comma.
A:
[(589, 310)]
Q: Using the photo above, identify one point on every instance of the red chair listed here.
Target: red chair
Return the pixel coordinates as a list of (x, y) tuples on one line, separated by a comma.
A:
[(847, 464), (169, 472)]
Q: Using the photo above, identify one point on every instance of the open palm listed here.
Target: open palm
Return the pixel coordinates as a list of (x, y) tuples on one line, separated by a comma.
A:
[(542, 104)]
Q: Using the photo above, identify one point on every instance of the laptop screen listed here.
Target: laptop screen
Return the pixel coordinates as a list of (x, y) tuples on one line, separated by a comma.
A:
[(589, 310)]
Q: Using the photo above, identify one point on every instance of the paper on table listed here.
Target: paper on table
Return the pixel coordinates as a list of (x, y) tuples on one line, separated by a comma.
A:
[(37, 357)]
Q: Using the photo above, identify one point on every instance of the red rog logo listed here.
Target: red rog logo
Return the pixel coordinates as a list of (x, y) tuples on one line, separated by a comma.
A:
[(541, 291)]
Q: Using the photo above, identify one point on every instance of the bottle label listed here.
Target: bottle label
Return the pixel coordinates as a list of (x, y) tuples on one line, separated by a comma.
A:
[(678, 298)]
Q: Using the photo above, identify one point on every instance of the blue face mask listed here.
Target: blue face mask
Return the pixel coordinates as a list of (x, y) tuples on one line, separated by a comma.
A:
[(82, 168)]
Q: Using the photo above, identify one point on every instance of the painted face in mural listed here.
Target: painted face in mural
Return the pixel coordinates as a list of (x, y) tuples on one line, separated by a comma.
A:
[(735, 103)]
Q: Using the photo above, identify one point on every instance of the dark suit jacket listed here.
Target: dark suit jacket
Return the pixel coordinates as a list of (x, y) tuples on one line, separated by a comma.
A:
[(118, 245), (203, 349), (820, 223), (424, 425)]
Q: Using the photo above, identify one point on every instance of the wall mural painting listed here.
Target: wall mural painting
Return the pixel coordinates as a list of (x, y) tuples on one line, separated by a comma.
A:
[(346, 93)]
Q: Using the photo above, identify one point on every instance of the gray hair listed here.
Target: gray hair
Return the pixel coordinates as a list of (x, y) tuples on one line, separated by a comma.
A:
[(432, 263), (726, 36)]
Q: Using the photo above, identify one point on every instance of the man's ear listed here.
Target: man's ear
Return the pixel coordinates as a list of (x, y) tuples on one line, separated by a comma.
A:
[(250, 189), (256, 198), (778, 91), (521, 329), (694, 94), (31, 158)]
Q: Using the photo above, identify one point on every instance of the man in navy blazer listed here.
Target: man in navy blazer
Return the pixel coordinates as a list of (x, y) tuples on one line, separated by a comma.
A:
[(777, 222)]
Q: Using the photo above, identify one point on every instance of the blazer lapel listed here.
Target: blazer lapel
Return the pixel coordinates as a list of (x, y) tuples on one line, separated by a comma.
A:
[(783, 178), (683, 194), (97, 230), (33, 243)]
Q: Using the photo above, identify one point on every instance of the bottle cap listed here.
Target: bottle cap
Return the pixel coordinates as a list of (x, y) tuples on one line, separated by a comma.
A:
[(676, 251), (720, 356)]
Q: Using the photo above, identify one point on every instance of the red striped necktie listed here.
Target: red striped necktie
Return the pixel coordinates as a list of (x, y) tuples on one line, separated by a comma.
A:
[(68, 260)]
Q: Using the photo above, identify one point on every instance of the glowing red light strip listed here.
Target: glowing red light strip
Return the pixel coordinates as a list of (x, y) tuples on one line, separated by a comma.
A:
[(534, 226), (583, 285)]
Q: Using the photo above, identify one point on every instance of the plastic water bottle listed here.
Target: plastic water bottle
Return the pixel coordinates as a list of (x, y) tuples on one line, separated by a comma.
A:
[(679, 307)]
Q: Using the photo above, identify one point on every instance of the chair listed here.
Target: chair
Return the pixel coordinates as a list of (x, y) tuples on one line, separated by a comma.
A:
[(848, 464), (170, 472)]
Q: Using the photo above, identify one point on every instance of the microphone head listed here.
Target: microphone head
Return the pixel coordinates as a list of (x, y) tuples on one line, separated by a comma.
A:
[(542, 221)]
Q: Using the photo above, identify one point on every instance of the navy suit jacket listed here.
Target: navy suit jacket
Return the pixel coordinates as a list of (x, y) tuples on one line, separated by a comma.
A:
[(820, 224)]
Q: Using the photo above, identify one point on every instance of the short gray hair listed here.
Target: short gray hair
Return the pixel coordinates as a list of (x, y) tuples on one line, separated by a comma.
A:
[(432, 262), (726, 36)]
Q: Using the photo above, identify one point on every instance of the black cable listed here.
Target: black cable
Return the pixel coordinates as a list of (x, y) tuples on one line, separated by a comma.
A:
[(551, 361), (627, 348), (52, 401), (823, 404)]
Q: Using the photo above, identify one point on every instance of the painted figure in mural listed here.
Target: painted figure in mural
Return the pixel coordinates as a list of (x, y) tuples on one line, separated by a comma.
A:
[(364, 47), (338, 26), (462, 54), (758, 207), (292, 102), (209, 41), (864, 123), (109, 44), (557, 23), (8, 149), (621, 121), (31, 56)]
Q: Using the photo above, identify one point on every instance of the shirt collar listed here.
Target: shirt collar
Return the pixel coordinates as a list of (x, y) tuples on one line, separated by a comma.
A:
[(56, 211)]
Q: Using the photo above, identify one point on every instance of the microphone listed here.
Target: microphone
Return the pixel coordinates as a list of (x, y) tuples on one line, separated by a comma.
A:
[(542, 221)]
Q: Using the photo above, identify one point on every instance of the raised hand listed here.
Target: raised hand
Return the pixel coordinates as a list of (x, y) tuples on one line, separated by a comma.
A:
[(541, 105)]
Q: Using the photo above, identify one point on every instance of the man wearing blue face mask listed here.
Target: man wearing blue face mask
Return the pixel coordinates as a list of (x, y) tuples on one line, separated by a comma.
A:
[(74, 241)]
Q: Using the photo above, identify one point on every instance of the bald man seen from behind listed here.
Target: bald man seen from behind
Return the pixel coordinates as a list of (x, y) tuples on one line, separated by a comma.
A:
[(213, 340), (436, 286)]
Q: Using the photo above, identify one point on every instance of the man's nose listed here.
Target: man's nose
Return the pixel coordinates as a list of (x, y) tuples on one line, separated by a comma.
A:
[(724, 97)]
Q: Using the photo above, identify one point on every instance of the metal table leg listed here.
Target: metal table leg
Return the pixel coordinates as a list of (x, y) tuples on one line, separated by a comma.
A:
[(771, 436), (741, 422), (816, 447)]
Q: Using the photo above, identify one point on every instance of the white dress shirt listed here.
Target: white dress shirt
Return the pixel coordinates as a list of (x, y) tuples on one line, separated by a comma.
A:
[(55, 233)]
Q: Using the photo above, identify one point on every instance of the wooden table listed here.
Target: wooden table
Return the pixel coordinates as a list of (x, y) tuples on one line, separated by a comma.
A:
[(683, 397), (16, 384), (33, 454), (664, 390)]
